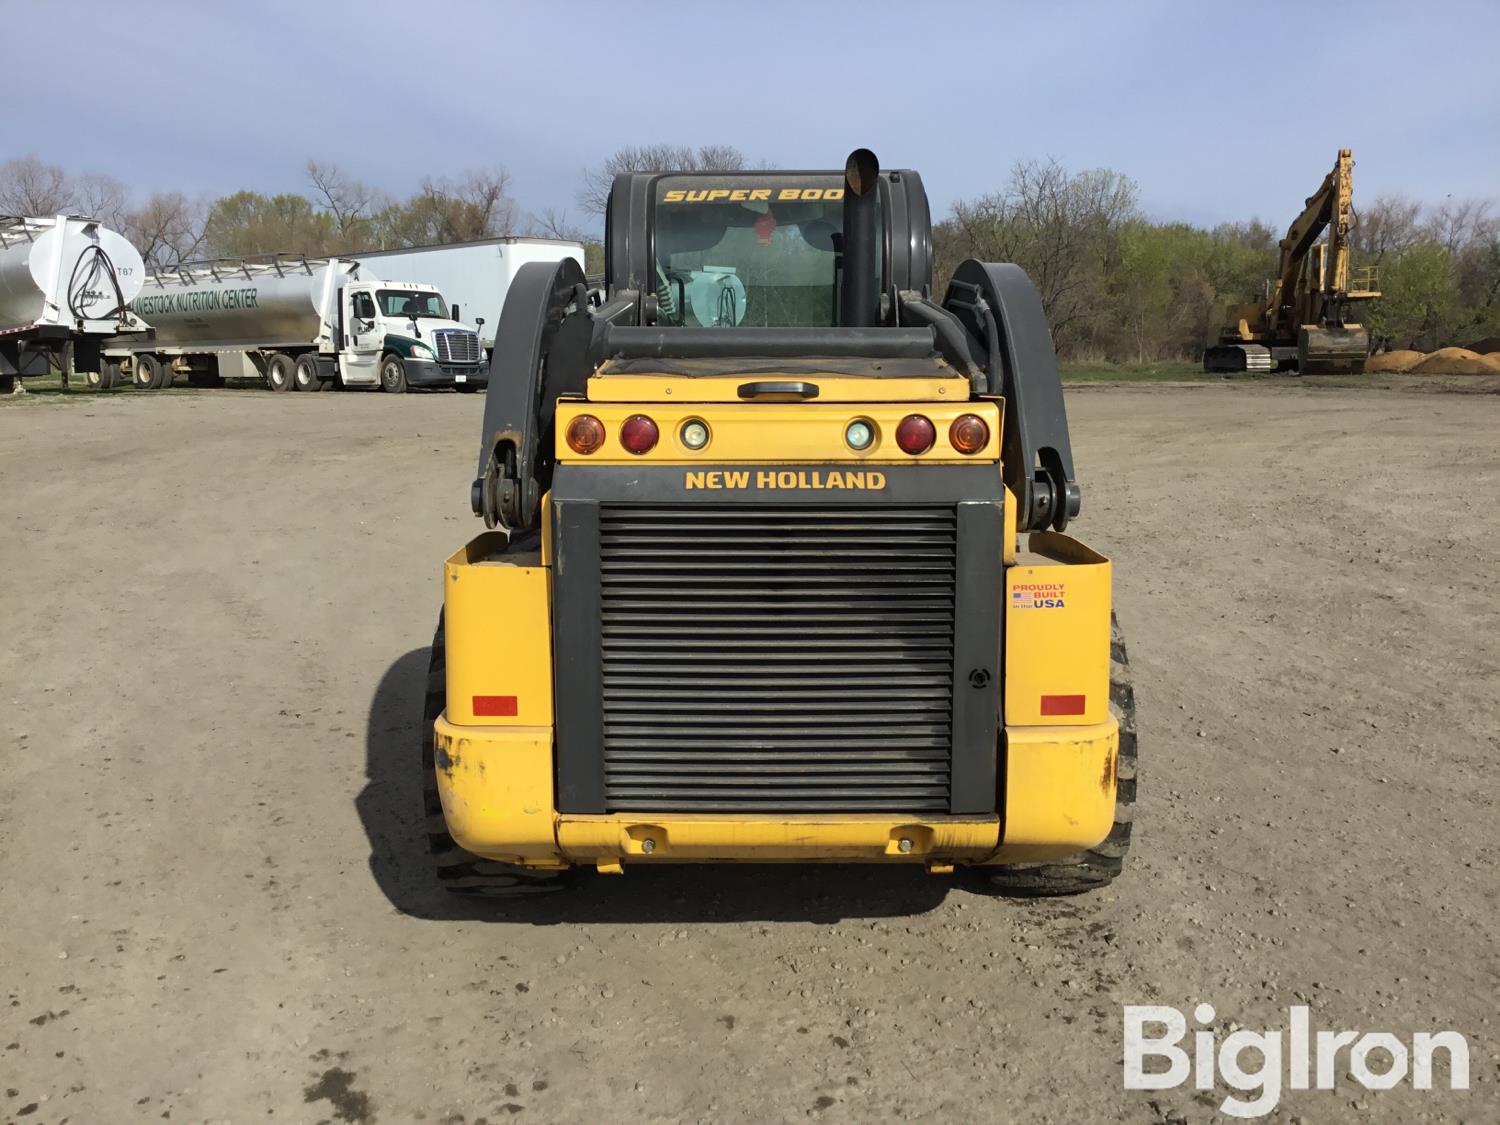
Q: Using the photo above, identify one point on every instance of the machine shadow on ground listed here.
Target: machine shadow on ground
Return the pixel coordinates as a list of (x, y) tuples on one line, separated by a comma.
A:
[(390, 809)]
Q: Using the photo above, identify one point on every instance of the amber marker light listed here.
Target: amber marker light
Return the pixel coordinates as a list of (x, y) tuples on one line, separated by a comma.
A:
[(969, 433), (585, 434)]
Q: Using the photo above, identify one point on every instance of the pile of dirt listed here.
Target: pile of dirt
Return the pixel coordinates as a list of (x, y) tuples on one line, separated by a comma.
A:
[(1455, 361), (1394, 363)]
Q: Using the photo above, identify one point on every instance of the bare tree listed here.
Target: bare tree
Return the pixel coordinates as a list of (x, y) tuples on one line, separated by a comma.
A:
[(29, 187), (351, 203), (476, 205), (101, 197), (594, 194), (1056, 225), (1389, 224), (167, 228), (1459, 223), (552, 223)]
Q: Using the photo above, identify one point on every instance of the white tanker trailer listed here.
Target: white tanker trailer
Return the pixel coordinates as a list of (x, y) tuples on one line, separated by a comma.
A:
[(304, 323), (66, 283)]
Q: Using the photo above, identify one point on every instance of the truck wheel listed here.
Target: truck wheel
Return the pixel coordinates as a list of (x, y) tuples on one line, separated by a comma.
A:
[(1098, 866), (280, 371), (167, 376), (146, 372), (306, 375), (457, 870), (109, 375), (393, 375)]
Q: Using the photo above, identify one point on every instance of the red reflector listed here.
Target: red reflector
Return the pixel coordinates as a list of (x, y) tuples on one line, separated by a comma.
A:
[(495, 705), (1062, 705)]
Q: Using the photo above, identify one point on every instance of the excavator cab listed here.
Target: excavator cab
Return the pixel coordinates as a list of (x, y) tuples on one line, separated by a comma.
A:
[(755, 588)]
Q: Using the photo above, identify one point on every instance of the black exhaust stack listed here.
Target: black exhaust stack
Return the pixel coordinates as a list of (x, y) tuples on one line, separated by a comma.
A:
[(859, 305)]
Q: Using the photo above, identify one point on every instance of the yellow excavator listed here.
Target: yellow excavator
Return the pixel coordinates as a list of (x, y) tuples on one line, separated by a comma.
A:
[(1302, 321)]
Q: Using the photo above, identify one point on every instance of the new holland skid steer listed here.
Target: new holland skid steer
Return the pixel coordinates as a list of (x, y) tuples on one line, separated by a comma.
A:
[(755, 589)]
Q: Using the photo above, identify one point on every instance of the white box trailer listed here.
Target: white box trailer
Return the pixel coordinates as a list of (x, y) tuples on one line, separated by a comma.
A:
[(474, 276), (303, 323), (66, 283)]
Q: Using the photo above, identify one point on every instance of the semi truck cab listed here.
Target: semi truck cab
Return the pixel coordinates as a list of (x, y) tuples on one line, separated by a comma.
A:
[(402, 333)]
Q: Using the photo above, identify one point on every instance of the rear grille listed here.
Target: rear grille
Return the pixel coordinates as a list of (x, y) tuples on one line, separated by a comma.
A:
[(759, 658), (454, 346)]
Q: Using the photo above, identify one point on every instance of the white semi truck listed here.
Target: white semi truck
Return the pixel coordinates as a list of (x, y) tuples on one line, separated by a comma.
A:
[(66, 283), (474, 276), (303, 323)]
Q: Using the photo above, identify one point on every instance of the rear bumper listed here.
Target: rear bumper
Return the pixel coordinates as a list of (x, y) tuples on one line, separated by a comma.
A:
[(496, 784), (431, 373)]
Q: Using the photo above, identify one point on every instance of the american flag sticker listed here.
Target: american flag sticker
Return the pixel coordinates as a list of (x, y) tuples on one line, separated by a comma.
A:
[(1038, 595)]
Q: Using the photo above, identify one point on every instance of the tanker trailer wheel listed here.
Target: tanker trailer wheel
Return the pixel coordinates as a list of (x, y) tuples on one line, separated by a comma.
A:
[(306, 376), (147, 372), (106, 378), (393, 375), (457, 870), (1099, 865), (280, 371)]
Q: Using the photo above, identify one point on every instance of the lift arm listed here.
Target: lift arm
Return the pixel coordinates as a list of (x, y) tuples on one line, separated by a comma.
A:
[(1002, 312)]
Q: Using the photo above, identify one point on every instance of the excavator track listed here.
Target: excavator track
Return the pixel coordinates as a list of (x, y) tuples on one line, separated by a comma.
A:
[(1237, 358)]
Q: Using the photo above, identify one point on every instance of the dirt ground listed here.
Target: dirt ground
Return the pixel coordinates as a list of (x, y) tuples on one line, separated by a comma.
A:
[(214, 901)]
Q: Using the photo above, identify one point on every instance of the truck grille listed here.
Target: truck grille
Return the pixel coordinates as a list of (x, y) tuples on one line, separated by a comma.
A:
[(761, 659), (454, 346)]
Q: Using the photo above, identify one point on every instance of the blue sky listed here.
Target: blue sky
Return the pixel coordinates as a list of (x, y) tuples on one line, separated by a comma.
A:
[(1217, 110)]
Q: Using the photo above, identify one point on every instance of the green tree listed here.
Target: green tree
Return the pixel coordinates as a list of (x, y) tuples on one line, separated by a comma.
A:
[(1419, 307), (248, 223)]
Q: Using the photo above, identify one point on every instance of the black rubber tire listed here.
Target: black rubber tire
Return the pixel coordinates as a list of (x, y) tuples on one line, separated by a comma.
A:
[(167, 376), (109, 375), (306, 376), (1098, 866), (280, 371), (457, 870), (392, 375), (146, 373)]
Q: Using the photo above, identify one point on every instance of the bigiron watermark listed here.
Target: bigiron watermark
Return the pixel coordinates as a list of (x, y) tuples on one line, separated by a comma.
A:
[(1258, 1065)]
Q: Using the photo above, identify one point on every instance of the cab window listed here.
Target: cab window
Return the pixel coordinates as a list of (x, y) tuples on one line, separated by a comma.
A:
[(405, 302), (748, 251)]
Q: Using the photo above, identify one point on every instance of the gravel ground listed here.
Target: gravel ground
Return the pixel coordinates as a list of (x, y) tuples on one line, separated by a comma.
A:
[(214, 903)]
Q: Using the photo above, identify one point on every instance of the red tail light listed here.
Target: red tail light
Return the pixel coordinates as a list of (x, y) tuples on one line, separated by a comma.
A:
[(585, 434), (915, 434), (638, 434)]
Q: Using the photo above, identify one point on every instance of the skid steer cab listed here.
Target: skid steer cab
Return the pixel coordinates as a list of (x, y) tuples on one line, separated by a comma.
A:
[(778, 568)]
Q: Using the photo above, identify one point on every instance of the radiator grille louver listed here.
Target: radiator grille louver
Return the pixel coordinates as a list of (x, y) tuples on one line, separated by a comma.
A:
[(454, 346), (789, 658)]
